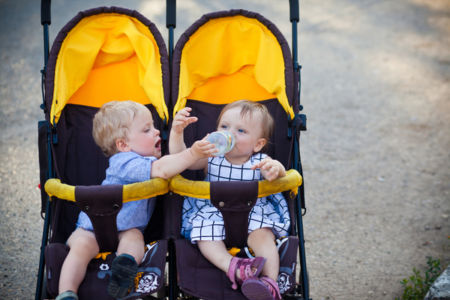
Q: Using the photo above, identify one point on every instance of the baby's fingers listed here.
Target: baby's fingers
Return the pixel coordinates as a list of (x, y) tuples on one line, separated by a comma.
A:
[(185, 111), (271, 174), (206, 147), (184, 116), (259, 165), (265, 164), (190, 120), (255, 166)]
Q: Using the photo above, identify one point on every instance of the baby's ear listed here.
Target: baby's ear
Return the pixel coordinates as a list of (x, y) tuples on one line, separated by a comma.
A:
[(122, 145), (259, 145)]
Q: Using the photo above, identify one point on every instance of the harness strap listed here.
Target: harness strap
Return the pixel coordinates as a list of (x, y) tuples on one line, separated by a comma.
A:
[(235, 200)]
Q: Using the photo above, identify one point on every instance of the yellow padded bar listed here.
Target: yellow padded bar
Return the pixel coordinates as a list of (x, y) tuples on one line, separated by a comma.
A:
[(55, 188), (146, 189), (190, 188), (201, 189), (131, 192)]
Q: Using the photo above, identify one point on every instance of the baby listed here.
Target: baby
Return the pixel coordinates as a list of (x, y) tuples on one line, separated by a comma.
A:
[(124, 131), (251, 125)]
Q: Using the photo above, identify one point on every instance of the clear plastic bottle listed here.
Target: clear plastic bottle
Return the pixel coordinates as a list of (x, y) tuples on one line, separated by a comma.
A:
[(223, 140)]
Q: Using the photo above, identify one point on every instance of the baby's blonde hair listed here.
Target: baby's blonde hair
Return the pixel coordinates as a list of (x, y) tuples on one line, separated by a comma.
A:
[(251, 107), (112, 122)]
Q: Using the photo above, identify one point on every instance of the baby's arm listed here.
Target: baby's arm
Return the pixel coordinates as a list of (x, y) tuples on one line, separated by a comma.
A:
[(173, 164), (180, 122), (271, 169), (176, 139)]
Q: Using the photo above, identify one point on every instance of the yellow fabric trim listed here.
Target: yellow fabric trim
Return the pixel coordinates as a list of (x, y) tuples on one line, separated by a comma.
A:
[(224, 46), (233, 251), (118, 81), (102, 255), (146, 189), (101, 43), (239, 85), (55, 188), (201, 189)]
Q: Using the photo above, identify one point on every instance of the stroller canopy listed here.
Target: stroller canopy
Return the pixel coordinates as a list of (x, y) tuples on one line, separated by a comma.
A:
[(232, 55), (108, 56)]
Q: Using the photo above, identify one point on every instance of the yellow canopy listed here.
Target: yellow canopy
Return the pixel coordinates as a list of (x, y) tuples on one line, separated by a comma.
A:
[(108, 57), (232, 58)]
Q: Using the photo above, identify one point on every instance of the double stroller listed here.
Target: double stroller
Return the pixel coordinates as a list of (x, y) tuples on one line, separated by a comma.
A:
[(111, 53)]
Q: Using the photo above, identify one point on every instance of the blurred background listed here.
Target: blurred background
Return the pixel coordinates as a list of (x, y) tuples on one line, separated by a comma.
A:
[(376, 156)]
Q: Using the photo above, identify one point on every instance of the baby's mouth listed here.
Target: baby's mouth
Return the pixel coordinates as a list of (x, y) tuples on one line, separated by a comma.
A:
[(158, 144)]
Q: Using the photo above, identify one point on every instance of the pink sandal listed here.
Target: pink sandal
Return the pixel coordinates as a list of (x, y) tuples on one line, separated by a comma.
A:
[(248, 267), (263, 288)]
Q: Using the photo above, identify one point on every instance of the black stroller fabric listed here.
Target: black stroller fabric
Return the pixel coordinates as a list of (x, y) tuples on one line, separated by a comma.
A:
[(150, 277), (79, 162), (197, 276)]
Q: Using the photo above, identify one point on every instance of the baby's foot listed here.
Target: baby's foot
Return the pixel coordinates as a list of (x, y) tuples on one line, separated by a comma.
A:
[(67, 295), (263, 288), (123, 270), (241, 269)]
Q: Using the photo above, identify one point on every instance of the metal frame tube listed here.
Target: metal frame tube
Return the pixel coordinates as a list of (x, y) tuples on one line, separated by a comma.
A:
[(47, 218), (45, 21), (295, 18), (171, 8)]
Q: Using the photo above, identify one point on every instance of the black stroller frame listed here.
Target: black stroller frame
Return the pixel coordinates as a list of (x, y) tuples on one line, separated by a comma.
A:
[(296, 125)]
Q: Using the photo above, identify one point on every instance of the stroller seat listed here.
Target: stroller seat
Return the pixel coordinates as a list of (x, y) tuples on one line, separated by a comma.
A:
[(234, 199), (102, 54), (111, 53), (224, 57), (102, 203)]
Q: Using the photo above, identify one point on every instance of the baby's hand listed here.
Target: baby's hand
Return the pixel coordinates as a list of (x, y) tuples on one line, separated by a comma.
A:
[(203, 149), (270, 169), (182, 120)]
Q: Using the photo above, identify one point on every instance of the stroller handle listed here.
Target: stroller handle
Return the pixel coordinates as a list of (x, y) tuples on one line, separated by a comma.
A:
[(201, 189), (45, 12), (130, 192)]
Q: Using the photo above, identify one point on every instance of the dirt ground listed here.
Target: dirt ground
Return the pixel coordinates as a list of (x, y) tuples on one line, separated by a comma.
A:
[(376, 156)]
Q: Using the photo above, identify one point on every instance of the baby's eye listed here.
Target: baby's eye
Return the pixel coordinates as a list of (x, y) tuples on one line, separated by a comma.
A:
[(223, 126), (242, 130)]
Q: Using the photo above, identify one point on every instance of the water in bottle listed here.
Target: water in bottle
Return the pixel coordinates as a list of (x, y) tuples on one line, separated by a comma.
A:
[(223, 140)]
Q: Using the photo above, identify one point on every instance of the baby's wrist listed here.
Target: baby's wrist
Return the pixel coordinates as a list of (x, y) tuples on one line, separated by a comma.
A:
[(174, 131), (194, 153)]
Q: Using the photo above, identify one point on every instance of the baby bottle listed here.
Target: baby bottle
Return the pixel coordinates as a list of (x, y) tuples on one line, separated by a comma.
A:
[(223, 140)]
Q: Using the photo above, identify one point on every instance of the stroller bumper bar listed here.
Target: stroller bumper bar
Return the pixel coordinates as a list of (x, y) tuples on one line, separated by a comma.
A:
[(130, 192), (201, 189), (178, 185), (45, 12)]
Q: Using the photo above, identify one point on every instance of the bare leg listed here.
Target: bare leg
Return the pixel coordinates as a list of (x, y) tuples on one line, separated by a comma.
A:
[(216, 253), (262, 243), (83, 248), (132, 242)]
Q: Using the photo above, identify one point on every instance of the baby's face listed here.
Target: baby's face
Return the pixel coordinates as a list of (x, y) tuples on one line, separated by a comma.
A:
[(143, 137), (247, 131)]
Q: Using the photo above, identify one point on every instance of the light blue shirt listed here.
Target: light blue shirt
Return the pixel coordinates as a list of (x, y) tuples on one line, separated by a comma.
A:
[(125, 168)]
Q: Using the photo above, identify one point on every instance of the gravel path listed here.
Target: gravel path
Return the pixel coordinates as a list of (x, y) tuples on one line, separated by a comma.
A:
[(376, 90)]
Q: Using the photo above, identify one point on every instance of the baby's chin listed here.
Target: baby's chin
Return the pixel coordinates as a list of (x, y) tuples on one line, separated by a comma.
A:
[(157, 153)]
